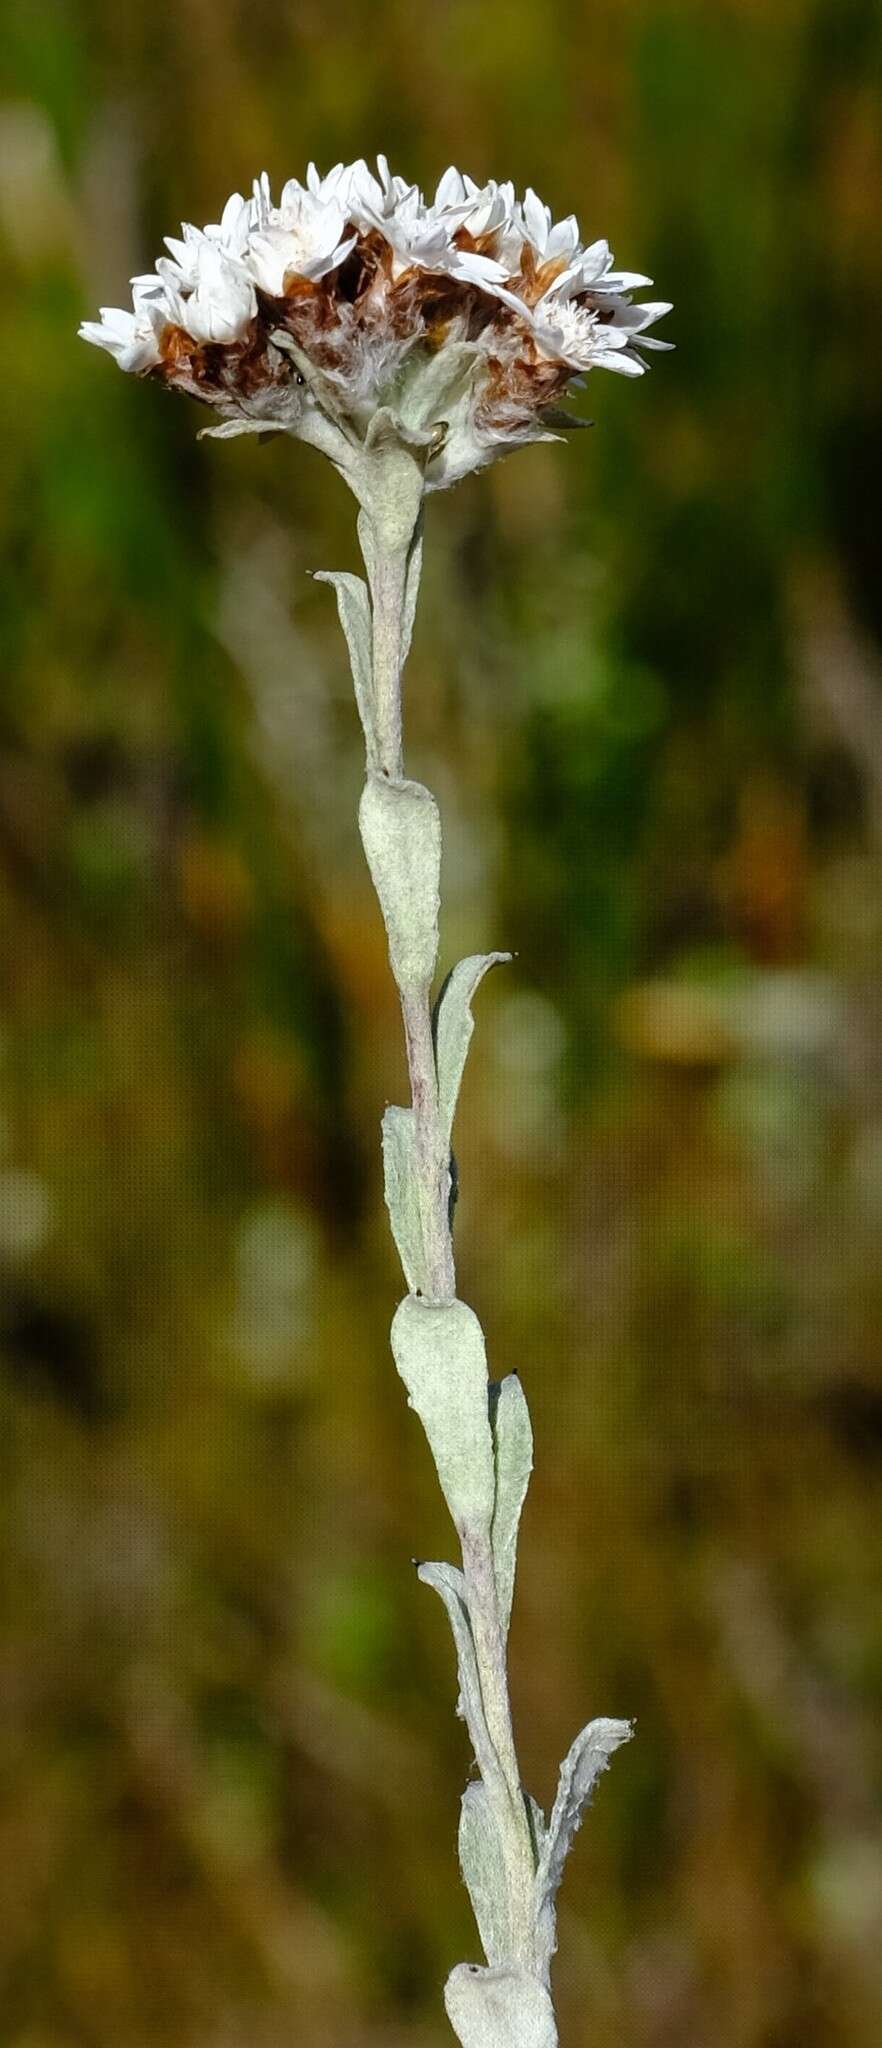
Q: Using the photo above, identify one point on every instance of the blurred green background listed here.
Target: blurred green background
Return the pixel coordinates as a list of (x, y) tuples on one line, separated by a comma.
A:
[(646, 686)]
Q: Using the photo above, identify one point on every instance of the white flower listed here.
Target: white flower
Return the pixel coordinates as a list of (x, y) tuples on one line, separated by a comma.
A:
[(304, 234), (463, 319), (132, 338), (549, 242), (594, 335), (204, 285), (373, 202), (232, 232), (222, 301), (334, 185), (206, 291), (413, 232), (487, 213), (593, 270), (234, 227)]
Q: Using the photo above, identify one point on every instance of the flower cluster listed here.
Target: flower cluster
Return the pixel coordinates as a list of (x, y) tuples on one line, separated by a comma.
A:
[(466, 316)]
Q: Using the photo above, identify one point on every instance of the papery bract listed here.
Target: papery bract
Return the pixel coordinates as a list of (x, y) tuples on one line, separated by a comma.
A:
[(309, 316)]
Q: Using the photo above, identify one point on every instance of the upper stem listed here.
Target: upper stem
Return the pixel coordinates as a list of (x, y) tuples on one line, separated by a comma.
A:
[(387, 606), (433, 1154)]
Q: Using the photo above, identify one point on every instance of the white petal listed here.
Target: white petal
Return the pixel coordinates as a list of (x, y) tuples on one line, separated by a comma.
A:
[(262, 199), (293, 194), (537, 219), (477, 269), (628, 365), (126, 338), (594, 260), (627, 280), (450, 189), (649, 312), (223, 302), (563, 239)]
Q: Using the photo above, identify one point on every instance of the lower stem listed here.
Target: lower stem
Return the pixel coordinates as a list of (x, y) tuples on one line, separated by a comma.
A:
[(433, 1165), (490, 1653)]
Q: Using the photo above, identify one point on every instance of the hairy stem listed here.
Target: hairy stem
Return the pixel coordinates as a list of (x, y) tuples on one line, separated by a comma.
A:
[(490, 1651), (387, 573), (432, 1153), (387, 605)]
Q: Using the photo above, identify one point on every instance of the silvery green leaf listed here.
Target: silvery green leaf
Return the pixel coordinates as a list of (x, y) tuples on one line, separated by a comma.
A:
[(513, 1456), (505, 2007), (367, 542), (322, 388), (402, 1194), (428, 387), (231, 429), (390, 485), (411, 591), (558, 416), (448, 1581), (353, 605), (439, 1351), (582, 1766), (454, 1025), (483, 1868), (388, 430), (401, 835)]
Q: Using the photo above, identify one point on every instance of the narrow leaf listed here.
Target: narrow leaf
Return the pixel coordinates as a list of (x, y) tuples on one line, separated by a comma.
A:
[(230, 430), (354, 608), (425, 396), (448, 1581), (402, 1194), (483, 1868), (579, 1772), (454, 1025), (557, 416), (438, 1348), (411, 591), (401, 835), (501, 2008), (387, 429), (513, 1456)]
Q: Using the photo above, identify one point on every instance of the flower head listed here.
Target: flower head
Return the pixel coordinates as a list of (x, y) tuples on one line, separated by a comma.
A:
[(463, 318)]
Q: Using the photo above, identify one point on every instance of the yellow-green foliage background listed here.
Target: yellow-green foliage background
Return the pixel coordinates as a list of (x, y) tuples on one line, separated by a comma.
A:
[(646, 685)]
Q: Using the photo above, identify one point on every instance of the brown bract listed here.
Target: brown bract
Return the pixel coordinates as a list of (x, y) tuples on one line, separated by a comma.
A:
[(518, 387), (361, 321), (218, 372), (534, 279)]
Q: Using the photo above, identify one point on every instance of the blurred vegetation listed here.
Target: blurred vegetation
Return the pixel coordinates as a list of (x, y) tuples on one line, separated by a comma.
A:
[(646, 684)]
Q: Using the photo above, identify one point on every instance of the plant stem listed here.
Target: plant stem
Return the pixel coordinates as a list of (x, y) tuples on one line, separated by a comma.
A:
[(387, 572), (490, 1651), (432, 1152), (387, 606)]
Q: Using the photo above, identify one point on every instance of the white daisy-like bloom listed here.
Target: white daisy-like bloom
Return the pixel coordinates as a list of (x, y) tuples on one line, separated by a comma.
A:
[(590, 337), (304, 236), (132, 338), (463, 319)]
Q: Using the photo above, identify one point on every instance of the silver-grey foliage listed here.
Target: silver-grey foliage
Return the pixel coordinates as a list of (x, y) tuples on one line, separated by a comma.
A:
[(345, 317), (478, 1430)]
